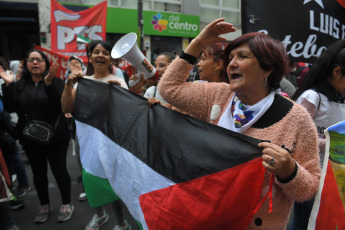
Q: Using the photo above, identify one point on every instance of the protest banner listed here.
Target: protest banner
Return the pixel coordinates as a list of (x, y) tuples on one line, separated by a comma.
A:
[(306, 27), (66, 25)]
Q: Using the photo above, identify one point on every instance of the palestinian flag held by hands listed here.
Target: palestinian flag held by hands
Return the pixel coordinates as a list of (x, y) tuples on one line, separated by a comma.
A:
[(328, 210), (171, 170)]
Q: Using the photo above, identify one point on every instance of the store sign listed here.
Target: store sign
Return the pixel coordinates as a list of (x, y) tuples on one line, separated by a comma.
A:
[(306, 28), (169, 24)]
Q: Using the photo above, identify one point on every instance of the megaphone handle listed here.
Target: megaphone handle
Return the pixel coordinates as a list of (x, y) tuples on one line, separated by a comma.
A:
[(132, 83)]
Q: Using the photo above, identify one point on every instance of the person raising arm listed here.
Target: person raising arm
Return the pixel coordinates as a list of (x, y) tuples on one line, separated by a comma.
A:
[(251, 105)]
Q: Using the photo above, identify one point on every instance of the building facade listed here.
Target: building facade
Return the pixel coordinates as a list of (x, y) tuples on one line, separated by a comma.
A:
[(184, 18)]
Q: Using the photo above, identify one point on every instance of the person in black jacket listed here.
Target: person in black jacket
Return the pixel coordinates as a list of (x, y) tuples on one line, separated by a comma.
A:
[(37, 96)]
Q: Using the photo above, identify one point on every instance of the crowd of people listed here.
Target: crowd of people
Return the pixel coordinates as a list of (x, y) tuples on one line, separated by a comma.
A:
[(237, 85)]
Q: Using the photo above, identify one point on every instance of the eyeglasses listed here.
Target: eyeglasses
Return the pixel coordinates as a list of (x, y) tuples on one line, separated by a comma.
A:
[(31, 60)]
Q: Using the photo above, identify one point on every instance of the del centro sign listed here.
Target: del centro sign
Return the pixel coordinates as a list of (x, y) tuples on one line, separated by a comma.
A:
[(169, 24)]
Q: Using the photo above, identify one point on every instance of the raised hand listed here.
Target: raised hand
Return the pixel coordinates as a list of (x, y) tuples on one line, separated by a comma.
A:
[(52, 73), (152, 101), (8, 78), (210, 34), (113, 82), (77, 72), (137, 83), (76, 69)]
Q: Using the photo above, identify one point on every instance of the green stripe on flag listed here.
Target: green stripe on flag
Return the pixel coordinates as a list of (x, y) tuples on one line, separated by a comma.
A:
[(82, 39), (98, 190)]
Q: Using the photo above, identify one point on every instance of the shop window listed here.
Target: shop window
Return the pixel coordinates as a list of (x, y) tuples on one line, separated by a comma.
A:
[(231, 16), (210, 2), (229, 9), (160, 44), (235, 4), (114, 3), (133, 4), (209, 14), (92, 2), (160, 6)]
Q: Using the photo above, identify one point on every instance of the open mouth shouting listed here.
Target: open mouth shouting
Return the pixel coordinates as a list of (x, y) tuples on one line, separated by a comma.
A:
[(235, 76), (100, 61)]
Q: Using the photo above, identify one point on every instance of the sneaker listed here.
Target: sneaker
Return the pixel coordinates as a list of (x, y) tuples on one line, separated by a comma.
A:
[(96, 222), (16, 204), (43, 213), (65, 212), (21, 191), (126, 227), (82, 196)]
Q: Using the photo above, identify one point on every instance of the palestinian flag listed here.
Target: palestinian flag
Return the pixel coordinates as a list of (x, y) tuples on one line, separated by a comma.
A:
[(328, 210), (171, 170), (81, 39)]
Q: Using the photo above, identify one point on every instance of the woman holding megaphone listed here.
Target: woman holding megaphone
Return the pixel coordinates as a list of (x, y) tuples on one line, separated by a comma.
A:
[(148, 86), (99, 68)]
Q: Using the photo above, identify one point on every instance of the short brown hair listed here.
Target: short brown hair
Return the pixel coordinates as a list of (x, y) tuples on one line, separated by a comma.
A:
[(270, 53)]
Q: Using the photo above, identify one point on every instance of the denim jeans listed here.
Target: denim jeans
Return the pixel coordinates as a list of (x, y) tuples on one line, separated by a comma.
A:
[(15, 165), (301, 214)]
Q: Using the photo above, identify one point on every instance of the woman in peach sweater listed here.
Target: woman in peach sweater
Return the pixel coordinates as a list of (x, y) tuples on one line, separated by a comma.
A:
[(250, 105)]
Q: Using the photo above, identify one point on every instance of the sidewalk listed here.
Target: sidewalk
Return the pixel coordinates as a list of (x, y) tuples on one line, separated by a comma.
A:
[(82, 211)]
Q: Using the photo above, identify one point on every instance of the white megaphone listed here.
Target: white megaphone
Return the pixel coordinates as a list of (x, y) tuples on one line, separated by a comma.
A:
[(127, 48)]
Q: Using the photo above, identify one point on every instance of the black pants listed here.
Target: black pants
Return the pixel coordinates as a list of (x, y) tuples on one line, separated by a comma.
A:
[(6, 217), (55, 153)]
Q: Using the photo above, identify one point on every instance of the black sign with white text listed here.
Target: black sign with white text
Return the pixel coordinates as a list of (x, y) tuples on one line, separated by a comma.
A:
[(306, 27)]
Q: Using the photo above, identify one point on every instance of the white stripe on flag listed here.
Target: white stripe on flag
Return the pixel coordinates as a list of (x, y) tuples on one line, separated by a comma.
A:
[(128, 176), (74, 54), (317, 202)]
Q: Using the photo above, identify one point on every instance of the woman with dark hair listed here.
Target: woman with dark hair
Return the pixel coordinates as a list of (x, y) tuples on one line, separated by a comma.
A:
[(322, 94), (250, 105), (211, 65), (99, 68), (37, 96), (161, 64)]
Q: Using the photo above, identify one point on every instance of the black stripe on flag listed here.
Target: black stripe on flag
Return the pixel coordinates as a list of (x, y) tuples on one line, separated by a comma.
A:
[(175, 145)]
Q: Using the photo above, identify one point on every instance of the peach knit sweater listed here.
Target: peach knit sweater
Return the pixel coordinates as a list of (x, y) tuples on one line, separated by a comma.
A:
[(209, 101)]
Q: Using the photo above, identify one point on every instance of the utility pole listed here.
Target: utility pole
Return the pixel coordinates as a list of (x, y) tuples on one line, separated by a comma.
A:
[(140, 24)]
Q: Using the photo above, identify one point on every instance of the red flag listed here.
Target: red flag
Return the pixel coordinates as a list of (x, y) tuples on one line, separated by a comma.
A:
[(67, 24), (216, 201), (328, 210), (331, 212), (61, 59)]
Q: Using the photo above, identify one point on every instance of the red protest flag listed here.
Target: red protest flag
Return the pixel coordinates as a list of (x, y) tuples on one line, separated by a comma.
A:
[(66, 25)]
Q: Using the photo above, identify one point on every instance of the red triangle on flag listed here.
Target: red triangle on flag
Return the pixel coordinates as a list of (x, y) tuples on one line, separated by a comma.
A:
[(216, 201), (331, 212)]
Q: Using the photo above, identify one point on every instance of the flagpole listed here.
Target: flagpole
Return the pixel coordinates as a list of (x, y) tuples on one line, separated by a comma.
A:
[(140, 23)]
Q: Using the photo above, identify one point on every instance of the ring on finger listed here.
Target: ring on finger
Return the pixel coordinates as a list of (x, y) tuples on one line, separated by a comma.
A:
[(271, 162)]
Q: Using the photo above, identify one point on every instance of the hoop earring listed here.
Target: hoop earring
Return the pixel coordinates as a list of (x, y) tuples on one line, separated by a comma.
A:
[(265, 81)]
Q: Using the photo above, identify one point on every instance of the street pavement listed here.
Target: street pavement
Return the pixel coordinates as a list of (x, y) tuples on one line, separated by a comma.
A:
[(82, 211)]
